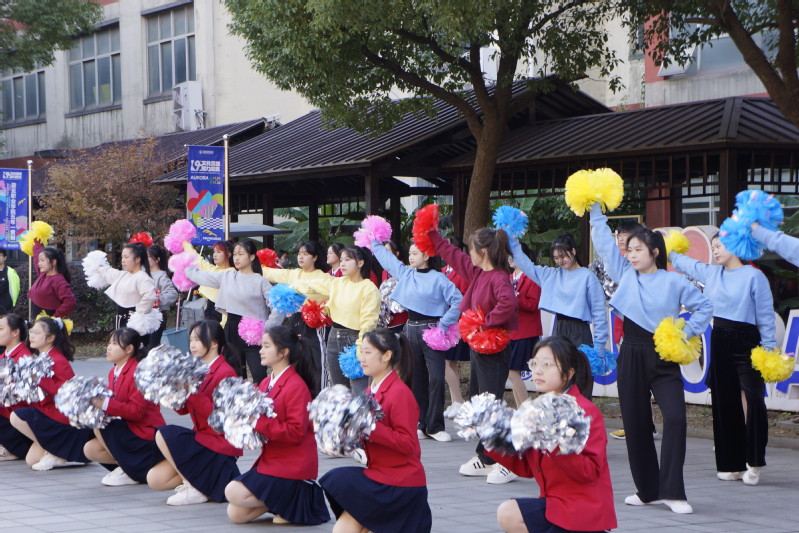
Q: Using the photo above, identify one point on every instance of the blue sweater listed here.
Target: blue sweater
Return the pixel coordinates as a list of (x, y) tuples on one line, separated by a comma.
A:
[(428, 293), (646, 299), (575, 293), (776, 241), (741, 294)]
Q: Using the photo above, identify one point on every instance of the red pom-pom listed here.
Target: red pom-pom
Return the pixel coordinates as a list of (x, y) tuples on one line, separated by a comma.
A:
[(425, 222), (485, 341), (267, 257), (142, 237), (313, 314)]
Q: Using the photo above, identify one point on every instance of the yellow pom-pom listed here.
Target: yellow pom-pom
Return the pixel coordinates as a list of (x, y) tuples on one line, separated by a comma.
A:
[(673, 344), (41, 231), (610, 188), (676, 241), (580, 193), (68, 324), (587, 187), (772, 364)]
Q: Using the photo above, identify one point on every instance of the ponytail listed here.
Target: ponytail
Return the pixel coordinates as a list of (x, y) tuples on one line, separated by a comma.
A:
[(300, 355), (54, 254), (495, 242), (61, 341), (359, 253), (139, 251), (401, 353), (159, 255), (125, 337), (17, 323)]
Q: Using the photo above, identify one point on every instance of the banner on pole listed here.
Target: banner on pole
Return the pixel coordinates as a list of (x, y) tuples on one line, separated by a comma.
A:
[(205, 193), (13, 206)]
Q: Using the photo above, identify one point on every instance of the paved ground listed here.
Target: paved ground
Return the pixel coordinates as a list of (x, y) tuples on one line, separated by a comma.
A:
[(72, 499)]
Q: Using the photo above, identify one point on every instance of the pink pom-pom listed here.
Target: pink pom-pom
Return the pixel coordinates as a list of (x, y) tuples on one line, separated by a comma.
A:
[(251, 331), (178, 264), (179, 232), (441, 340), (372, 228)]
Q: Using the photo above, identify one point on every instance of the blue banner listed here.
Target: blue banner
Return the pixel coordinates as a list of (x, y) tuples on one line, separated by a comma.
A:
[(205, 193), (13, 206)]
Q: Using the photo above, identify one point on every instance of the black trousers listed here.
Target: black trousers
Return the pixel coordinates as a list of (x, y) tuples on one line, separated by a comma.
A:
[(490, 372), (248, 356), (578, 332), (428, 377), (641, 371), (739, 441)]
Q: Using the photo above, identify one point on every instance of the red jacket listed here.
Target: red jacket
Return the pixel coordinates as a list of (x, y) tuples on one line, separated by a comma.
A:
[(529, 314), (142, 416), (577, 487), (393, 451), (19, 351), (200, 405), (62, 372), (290, 451), (51, 292)]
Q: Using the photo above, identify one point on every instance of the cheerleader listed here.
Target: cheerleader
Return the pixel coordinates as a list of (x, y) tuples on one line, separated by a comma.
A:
[(575, 489), (128, 441), (486, 270), (198, 463), (523, 338), (55, 441), (778, 242), (166, 294), (390, 494), (743, 318), (13, 335), (646, 294), (354, 305), (334, 259), (242, 293), (51, 293), (283, 479), (460, 353), (432, 301), (223, 260)]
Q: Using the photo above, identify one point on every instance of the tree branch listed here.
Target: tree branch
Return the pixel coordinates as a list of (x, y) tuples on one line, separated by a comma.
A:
[(549, 16), (786, 50), (476, 76)]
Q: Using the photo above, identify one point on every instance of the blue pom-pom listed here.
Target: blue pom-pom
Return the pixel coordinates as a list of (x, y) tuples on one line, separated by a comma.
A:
[(602, 361), (737, 238), (285, 300), (348, 361), (512, 220), (758, 206)]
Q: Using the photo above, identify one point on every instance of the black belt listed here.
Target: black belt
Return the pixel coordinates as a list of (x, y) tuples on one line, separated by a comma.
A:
[(336, 325), (568, 318), (725, 323)]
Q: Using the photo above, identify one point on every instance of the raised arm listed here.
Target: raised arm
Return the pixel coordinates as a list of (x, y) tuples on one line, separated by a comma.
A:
[(605, 244), (690, 267), (204, 264), (776, 241), (389, 261), (539, 274), (454, 257)]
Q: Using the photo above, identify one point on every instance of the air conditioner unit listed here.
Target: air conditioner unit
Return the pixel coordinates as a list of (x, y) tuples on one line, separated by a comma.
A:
[(187, 105)]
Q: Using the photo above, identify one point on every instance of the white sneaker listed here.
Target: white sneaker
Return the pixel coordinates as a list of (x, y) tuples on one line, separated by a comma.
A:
[(752, 475), (452, 410), (360, 456), (6, 455), (474, 467), (679, 506), (441, 436), (118, 478), (48, 462), (421, 434), (635, 500), (730, 476), (500, 475), (186, 495)]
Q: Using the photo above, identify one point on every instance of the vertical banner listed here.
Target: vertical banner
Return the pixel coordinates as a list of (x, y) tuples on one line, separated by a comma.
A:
[(205, 198), (13, 206)]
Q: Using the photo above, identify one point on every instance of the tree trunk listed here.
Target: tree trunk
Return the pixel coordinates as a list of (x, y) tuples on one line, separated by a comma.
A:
[(485, 163)]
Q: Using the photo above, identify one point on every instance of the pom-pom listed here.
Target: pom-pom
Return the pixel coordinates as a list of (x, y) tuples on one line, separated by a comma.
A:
[(441, 340), (267, 257), (168, 376), (426, 221), (610, 188), (550, 422), (736, 236), (143, 237), (91, 269), (587, 187), (602, 361), (39, 231), (29, 372), (145, 323), (761, 207), (284, 300), (251, 331), (485, 341), (487, 418), (74, 400), (313, 314), (8, 384), (673, 344), (513, 221), (374, 228), (342, 422), (348, 361), (179, 232), (676, 242), (178, 264), (238, 404), (773, 364)]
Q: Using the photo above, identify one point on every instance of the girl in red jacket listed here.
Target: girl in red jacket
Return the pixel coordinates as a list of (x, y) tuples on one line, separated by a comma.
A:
[(576, 494), (283, 479), (13, 335), (54, 441), (129, 440), (390, 495), (51, 293), (198, 463)]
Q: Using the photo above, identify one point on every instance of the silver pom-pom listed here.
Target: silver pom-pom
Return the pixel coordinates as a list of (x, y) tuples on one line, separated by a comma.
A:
[(168, 376), (8, 385), (342, 422), (29, 372), (238, 404), (91, 269), (145, 323), (487, 418), (550, 422), (74, 400)]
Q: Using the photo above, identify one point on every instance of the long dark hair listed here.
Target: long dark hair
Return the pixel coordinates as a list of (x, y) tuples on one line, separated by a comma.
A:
[(54, 254), (210, 331), (61, 341), (568, 357), (359, 253), (495, 242), (300, 355), (249, 247), (401, 354), (125, 337), (227, 248), (139, 251), (159, 254), (314, 249), (17, 323), (434, 262), (653, 240), (565, 244)]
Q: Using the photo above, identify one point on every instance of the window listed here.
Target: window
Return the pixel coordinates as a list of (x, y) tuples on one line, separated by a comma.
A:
[(170, 49), (95, 72), (22, 96)]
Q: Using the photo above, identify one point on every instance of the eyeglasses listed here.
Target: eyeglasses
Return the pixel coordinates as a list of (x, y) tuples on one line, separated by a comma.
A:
[(534, 365)]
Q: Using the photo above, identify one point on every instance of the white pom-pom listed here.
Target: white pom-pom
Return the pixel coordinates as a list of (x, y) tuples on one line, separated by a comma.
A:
[(145, 323), (91, 265)]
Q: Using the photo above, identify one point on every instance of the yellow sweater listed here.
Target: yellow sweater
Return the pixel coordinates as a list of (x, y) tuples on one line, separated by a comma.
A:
[(290, 275), (207, 292)]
